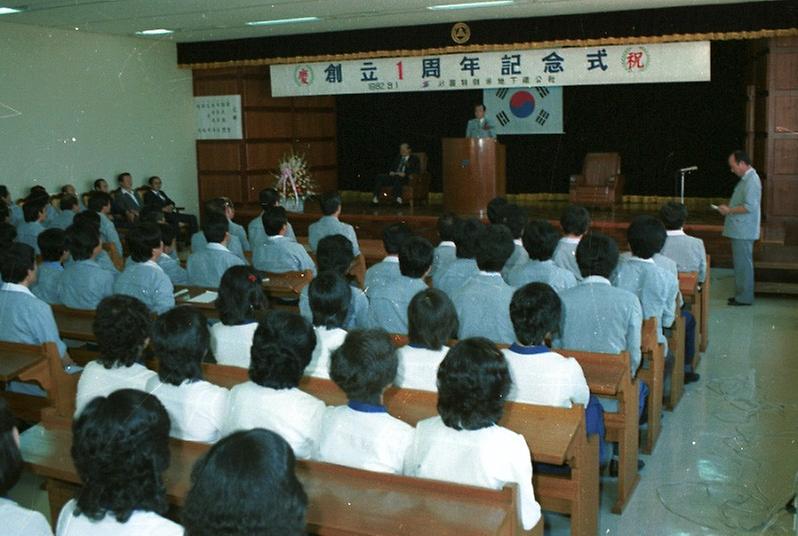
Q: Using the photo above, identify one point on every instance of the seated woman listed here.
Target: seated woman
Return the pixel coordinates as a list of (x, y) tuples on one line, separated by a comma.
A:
[(257, 468), (15, 520), (120, 447), (240, 302), (464, 443), (196, 408), (329, 301), (122, 329), (431, 322), (281, 350)]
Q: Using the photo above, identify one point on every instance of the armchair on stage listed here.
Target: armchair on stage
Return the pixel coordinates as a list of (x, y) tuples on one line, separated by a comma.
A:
[(417, 187), (600, 183)]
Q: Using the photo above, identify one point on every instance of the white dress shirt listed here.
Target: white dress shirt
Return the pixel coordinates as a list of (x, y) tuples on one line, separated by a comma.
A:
[(545, 378), (364, 436), (97, 381), (327, 340), (231, 345), (140, 523), (292, 413), (197, 410), (418, 367), (19, 521), (489, 457)]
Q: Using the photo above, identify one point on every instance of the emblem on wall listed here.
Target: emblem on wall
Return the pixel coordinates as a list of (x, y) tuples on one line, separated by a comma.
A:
[(461, 33)]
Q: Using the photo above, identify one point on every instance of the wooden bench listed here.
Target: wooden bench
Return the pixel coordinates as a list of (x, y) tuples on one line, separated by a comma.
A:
[(652, 371), (342, 500), (555, 435), (27, 363), (676, 342)]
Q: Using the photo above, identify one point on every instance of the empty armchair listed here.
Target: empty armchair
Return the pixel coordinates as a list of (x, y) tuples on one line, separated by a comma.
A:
[(600, 183)]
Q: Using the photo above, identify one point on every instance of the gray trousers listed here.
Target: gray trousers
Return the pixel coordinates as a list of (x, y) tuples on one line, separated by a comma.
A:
[(743, 258)]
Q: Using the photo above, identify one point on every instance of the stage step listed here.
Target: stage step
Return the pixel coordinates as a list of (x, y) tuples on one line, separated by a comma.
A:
[(776, 269)]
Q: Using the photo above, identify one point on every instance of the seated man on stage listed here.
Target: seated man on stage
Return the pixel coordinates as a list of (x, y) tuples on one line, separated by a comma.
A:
[(404, 166), (480, 127), (156, 197)]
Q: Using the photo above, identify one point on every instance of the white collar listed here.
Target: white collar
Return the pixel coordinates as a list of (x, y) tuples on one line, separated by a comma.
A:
[(16, 287), (638, 259), (217, 246), (391, 258), (276, 237), (490, 274), (570, 240), (447, 243), (518, 242), (165, 255), (596, 279), (750, 170), (677, 232), (152, 264)]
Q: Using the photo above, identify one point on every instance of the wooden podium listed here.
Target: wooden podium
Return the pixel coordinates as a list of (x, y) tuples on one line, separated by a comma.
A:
[(473, 174)]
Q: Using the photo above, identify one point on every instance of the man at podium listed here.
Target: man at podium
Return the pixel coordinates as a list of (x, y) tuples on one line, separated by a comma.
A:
[(402, 167), (480, 127)]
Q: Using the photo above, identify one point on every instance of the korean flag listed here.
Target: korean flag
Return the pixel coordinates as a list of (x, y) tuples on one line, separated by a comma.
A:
[(533, 110)]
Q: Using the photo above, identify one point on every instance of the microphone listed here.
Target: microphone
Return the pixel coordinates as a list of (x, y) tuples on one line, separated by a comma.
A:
[(688, 169)]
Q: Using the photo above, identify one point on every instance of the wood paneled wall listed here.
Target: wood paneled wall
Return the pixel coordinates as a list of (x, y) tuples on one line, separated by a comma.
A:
[(272, 127), (773, 125)]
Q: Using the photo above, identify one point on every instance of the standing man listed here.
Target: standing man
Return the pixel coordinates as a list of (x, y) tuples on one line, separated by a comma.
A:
[(480, 127), (405, 165), (742, 225)]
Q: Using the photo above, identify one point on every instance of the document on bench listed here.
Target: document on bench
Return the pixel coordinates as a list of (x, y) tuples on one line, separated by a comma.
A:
[(208, 296)]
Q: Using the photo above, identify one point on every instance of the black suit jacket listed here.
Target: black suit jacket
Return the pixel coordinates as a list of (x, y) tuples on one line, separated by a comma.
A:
[(152, 199), (123, 202), (411, 167)]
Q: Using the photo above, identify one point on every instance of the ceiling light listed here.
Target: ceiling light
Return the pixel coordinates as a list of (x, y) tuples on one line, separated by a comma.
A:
[(8, 10), (282, 21), (471, 5), (156, 31)]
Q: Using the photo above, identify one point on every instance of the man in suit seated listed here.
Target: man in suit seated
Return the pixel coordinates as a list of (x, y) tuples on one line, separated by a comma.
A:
[(480, 127), (127, 201), (155, 197), (402, 167)]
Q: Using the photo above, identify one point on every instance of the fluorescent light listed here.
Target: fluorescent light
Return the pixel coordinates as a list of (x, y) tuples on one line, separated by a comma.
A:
[(8, 10), (281, 21), (471, 5), (155, 31)]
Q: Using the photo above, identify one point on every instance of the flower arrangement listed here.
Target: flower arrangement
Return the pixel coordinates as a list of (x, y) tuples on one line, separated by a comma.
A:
[(294, 180)]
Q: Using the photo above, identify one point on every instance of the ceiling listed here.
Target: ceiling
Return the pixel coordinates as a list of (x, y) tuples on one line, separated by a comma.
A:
[(209, 20)]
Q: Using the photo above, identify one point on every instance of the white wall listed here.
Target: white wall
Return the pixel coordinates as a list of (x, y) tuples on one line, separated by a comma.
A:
[(76, 106)]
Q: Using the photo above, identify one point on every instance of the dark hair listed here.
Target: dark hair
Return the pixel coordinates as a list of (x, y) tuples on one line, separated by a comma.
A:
[(741, 156), (215, 227), (514, 218), (37, 191), (81, 240), (268, 197), (5, 212), (473, 383), (16, 261), (68, 202), (329, 295), (394, 236), (540, 239), (4, 193), (415, 257), (151, 179), (431, 319), (447, 226), (98, 201), (98, 182), (495, 247), (121, 176), (467, 236), (168, 233), (10, 456), (218, 205), (240, 296), (335, 253), (575, 220), (88, 217), (364, 365), (152, 214), (32, 208), (673, 215), (122, 327), (596, 254), (120, 446), (535, 311), (495, 209), (180, 339), (330, 202), (245, 485), (646, 236), (142, 240), (481, 104), (52, 244), (281, 350), (274, 219), (8, 233)]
